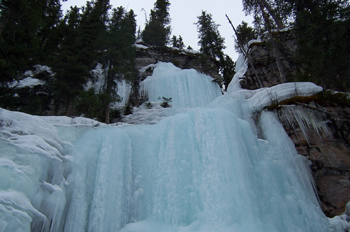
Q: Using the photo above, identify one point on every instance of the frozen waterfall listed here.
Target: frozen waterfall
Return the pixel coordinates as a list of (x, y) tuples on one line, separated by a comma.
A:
[(201, 167)]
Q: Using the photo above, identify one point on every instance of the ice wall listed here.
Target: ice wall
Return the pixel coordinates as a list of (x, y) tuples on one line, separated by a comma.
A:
[(187, 88), (201, 169), (123, 88), (32, 183)]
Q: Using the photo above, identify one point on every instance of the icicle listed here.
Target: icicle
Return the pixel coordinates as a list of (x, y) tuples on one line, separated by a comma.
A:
[(304, 118)]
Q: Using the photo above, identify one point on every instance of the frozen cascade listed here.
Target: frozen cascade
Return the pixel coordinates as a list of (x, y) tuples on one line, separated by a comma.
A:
[(202, 169), (123, 88), (304, 118), (189, 86)]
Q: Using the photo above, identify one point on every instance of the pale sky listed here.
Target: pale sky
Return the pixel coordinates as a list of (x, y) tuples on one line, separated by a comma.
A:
[(184, 13)]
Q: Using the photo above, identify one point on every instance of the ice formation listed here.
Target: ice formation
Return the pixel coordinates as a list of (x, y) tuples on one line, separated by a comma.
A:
[(189, 86), (304, 118), (197, 166), (123, 88)]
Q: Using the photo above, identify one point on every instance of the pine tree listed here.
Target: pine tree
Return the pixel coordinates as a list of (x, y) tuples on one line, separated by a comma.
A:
[(228, 70), (174, 41), (119, 56), (82, 31), (177, 42), (157, 30), (263, 11), (92, 28), (181, 44), (49, 34), (71, 72), (323, 32), (244, 34), (210, 41), (21, 23)]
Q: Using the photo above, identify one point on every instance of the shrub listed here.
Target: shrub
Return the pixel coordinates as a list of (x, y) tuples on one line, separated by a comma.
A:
[(165, 102), (148, 105)]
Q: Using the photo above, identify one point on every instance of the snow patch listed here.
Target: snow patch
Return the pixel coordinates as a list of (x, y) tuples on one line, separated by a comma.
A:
[(140, 46), (143, 69), (26, 82)]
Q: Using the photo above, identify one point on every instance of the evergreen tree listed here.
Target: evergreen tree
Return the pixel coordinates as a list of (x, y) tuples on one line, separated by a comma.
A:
[(177, 42), (92, 28), (228, 70), (210, 41), (71, 72), (49, 34), (244, 34), (266, 16), (181, 44), (157, 29), (174, 41), (28, 36), (82, 33), (323, 32), (21, 22), (119, 56)]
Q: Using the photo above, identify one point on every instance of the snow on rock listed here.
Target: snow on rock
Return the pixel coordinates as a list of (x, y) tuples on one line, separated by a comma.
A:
[(341, 223), (152, 115), (29, 80), (68, 121), (191, 51), (26, 82), (260, 98), (266, 96), (143, 69), (140, 46)]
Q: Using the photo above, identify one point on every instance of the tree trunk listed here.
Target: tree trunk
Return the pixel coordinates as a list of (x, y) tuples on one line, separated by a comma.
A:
[(274, 45), (246, 53), (273, 15), (5, 19), (107, 114)]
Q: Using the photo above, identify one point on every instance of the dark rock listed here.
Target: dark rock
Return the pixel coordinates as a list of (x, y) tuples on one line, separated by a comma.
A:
[(181, 58), (330, 157), (266, 68)]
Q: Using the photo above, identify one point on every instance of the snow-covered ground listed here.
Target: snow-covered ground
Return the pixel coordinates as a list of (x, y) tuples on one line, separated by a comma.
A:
[(194, 167)]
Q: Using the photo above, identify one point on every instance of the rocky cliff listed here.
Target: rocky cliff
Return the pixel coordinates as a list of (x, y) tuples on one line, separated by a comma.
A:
[(320, 131), (37, 97), (146, 56), (273, 60), (319, 125)]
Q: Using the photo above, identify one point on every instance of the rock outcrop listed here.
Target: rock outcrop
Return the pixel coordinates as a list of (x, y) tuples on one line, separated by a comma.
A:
[(323, 136), (147, 56), (265, 70), (327, 148)]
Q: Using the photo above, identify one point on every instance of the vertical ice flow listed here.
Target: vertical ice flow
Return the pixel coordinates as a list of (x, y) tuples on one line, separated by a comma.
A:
[(203, 170), (187, 88), (200, 170)]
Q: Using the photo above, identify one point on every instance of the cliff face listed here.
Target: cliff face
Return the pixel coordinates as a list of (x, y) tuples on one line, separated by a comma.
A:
[(327, 146), (328, 150), (184, 59), (38, 97), (148, 56), (265, 70)]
